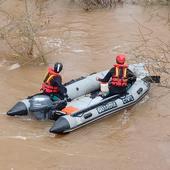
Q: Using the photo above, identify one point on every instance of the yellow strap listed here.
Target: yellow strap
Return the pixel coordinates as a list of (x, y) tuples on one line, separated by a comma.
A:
[(117, 72), (50, 77), (124, 73), (45, 76)]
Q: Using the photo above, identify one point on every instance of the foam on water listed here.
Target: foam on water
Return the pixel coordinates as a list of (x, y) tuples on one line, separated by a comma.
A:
[(125, 117), (145, 99), (20, 137), (2, 113), (78, 50), (14, 66)]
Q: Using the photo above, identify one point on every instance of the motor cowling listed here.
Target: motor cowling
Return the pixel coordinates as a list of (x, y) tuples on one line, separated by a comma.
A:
[(40, 107)]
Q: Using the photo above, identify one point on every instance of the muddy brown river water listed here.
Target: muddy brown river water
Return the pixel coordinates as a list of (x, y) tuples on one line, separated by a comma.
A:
[(86, 42)]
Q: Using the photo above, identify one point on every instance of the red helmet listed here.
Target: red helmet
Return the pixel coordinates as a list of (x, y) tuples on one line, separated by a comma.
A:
[(120, 59)]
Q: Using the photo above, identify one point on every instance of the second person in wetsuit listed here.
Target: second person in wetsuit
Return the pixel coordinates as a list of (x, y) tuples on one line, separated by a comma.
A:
[(119, 76)]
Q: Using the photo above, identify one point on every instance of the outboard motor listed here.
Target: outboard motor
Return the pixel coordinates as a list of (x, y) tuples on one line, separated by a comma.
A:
[(40, 107), (43, 108)]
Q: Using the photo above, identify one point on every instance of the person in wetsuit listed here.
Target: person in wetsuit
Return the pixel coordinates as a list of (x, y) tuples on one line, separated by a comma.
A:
[(119, 76), (52, 84)]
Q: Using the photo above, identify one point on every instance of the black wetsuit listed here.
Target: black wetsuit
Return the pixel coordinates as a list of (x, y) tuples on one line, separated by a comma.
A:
[(59, 96), (57, 82), (117, 89)]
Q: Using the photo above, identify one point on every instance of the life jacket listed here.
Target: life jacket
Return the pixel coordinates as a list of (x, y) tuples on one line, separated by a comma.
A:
[(120, 77), (46, 85)]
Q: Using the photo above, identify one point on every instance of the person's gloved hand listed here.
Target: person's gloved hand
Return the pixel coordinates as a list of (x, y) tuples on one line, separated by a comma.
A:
[(65, 95), (68, 99)]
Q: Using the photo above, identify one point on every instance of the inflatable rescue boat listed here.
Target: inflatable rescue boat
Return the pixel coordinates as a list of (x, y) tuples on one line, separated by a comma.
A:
[(88, 103)]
